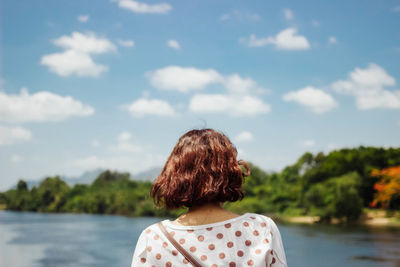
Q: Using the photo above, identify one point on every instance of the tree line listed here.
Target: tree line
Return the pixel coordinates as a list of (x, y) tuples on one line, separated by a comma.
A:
[(337, 185)]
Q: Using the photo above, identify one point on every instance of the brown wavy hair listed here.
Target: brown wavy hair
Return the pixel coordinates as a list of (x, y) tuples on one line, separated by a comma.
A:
[(202, 168)]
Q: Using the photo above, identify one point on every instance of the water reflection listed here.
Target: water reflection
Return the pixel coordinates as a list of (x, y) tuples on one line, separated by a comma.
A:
[(34, 239)]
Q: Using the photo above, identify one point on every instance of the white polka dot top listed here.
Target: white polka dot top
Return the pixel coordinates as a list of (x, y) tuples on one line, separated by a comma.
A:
[(247, 240)]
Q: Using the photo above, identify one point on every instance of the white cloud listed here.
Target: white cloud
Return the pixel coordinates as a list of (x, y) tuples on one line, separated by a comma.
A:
[(240, 16), (288, 14), (332, 40), (126, 43), (315, 99), (40, 106), (187, 79), (183, 79), (307, 143), (95, 143), (315, 23), (333, 146), (83, 18), (132, 162), (368, 88), (143, 107), (86, 43), (244, 136), (124, 144), (124, 137), (76, 59), (237, 100), (236, 84), (235, 105), (126, 147), (173, 44), (140, 7), (16, 158), (287, 39), (71, 62), (12, 135)]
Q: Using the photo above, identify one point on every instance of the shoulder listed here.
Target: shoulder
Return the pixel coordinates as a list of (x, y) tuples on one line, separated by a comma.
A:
[(264, 221), (151, 232)]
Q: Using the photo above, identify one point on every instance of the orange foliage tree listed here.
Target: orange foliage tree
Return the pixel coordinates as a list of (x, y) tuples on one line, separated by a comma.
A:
[(388, 186)]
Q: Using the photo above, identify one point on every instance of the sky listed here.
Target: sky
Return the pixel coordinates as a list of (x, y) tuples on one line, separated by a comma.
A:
[(114, 84)]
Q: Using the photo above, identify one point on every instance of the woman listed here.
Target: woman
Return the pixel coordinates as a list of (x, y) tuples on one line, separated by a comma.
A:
[(201, 174)]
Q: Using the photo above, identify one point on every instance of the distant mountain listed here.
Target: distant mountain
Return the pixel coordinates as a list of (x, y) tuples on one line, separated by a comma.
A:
[(89, 176), (149, 175), (85, 178)]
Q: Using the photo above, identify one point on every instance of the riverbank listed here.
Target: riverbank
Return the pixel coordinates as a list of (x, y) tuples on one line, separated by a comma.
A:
[(375, 218)]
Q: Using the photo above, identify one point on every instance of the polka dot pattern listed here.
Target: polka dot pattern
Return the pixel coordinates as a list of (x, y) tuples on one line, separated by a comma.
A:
[(244, 242)]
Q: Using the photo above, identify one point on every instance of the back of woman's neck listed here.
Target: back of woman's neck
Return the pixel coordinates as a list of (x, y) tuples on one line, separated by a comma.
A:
[(204, 214)]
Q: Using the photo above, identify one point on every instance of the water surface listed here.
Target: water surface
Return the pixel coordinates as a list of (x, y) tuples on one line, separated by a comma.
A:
[(38, 240)]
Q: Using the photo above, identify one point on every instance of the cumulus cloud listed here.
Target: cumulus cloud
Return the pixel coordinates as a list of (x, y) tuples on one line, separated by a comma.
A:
[(126, 43), (315, 99), (140, 7), (124, 144), (144, 106), (287, 39), (307, 143), (124, 136), (332, 40), (95, 143), (131, 162), (244, 136), (235, 105), (183, 79), (237, 100), (236, 84), (315, 23), (76, 59), (83, 18), (14, 134), (240, 16), (173, 44), (39, 107), (368, 86), (288, 14), (16, 158)]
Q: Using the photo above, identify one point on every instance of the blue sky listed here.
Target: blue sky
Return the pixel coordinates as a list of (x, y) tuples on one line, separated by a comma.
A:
[(113, 84)]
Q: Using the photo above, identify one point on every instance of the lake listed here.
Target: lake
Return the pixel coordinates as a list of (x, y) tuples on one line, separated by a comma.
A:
[(38, 240)]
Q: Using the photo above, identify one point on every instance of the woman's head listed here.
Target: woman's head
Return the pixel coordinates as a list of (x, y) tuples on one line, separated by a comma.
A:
[(202, 168)]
